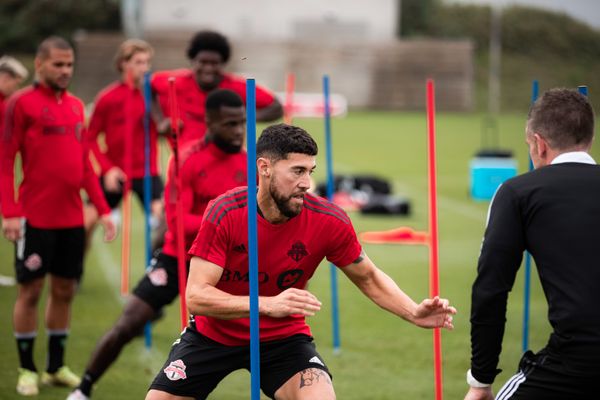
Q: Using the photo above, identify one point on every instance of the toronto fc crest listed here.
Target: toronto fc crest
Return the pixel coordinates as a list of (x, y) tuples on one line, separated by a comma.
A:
[(298, 251)]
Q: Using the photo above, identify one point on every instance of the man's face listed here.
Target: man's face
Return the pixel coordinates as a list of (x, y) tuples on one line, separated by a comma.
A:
[(136, 66), (56, 70), (228, 128), (208, 68), (9, 83), (290, 180)]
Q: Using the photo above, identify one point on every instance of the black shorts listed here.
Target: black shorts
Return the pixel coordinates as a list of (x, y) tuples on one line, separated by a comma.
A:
[(197, 364), (160, 285), (137, 185), (544, 376), (55, 251)]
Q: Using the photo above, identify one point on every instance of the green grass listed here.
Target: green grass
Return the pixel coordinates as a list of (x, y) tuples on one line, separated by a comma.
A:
[(382, 356)]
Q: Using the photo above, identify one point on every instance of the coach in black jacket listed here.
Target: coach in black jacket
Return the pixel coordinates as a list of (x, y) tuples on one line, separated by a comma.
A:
[(554, 213)]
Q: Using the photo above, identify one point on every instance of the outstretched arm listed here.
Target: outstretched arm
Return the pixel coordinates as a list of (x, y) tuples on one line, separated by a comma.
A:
[(203, 298), (383, 291)]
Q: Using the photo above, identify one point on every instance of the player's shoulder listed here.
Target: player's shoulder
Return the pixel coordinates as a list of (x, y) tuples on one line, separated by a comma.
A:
[(109, 90), (324, 209), (191, 150), (22, 94), (232, 82), (162, 77), (225, 204)]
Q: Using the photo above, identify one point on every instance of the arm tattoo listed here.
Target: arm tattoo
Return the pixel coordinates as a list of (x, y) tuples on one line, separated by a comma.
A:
[(361, 257), (312, 376)]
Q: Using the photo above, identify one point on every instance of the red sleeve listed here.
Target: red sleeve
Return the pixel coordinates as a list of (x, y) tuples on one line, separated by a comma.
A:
[(344, 247), (91, 184), (264, 97), (12, 133), (211, 242), (191, 222), (95, 127)]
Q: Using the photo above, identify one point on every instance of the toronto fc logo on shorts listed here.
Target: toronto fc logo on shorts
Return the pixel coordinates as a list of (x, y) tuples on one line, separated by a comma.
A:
[(158, 277), (175, 371), (298, 251), (33, 262)]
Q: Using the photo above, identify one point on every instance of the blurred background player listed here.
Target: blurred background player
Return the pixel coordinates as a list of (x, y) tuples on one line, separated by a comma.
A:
[(12, 74), (208, 53), (209, 167), (118, 102), (45, 124)]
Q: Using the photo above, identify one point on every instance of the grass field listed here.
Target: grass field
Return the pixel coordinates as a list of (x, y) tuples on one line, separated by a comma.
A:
[(382, 356)]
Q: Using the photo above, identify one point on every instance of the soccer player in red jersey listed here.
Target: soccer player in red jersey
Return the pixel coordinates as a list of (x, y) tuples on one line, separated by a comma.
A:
[(296, 231), (115, 105), (208, 53), (12, 73), (209, 167), (44, 123)]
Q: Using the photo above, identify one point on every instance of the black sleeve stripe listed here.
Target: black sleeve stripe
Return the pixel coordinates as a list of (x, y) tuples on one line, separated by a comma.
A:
[(240, 204), (326, 207), (321, 211), (225, 199)]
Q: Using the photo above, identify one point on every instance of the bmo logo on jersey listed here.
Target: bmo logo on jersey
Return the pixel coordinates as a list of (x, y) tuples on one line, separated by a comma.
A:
[(285, 280)]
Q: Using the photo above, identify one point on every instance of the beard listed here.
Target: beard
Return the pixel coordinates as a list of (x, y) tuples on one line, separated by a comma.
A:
[(225, 145), (284, 203)]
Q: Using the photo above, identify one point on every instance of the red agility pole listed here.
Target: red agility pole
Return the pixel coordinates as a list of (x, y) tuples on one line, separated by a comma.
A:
[(181, 268), (288, 108), (434, 274), (126, 202)]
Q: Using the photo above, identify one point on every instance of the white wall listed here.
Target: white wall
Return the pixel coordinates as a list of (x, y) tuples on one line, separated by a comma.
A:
[(337, 20)]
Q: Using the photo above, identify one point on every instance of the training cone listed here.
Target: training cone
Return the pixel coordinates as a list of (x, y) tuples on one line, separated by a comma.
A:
[(402, 235)]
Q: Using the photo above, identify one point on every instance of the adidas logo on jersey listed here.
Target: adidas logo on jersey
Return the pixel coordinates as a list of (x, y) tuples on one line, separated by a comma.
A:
[(240, 248)]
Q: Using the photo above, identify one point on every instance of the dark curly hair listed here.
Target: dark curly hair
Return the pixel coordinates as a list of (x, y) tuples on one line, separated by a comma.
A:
[(277, 141), (211, 41)]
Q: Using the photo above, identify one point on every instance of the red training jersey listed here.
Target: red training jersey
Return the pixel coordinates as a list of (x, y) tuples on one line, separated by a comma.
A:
[(2, 101), (191, 99), (206, 172), (47, 129), (288, 255), (118, 111)]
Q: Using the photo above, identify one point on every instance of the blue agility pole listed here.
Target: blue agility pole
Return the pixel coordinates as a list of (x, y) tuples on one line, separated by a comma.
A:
[(535, 88), (147, 189), (335, 317), (583, 90), (252, 240)]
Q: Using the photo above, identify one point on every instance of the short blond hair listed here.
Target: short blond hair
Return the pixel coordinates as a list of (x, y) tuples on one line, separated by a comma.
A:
[(128, 48), (12, 66)]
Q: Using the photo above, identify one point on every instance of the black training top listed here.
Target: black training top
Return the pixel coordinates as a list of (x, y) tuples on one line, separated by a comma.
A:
[(554, 213)]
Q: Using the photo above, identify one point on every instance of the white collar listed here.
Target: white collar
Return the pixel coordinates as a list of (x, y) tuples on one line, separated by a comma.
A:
[(574, 156)]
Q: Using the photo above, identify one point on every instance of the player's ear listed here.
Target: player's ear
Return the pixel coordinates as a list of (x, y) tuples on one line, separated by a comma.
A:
[(263, 166), (541, 145)]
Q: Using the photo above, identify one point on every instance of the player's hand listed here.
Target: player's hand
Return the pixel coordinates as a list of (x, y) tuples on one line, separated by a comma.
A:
[(113, 180), (289, 302), (434, 313), (480, 394), (11, 228), (110, 229), (164, 127)]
